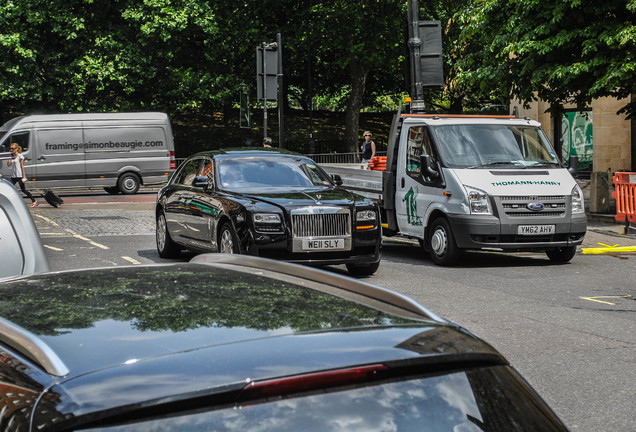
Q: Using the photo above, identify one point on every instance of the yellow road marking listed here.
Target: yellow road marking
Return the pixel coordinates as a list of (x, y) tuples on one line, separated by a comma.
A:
[(131, 260), (608, 249), (596, 298)]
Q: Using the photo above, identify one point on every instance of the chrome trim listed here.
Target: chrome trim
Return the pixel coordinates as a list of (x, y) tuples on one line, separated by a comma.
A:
[(29, 345), (321, 223), (345, 283)]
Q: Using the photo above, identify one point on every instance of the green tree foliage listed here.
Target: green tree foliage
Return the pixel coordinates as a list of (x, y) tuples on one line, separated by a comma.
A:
[(189, 57), (563, 51), (359, 41)]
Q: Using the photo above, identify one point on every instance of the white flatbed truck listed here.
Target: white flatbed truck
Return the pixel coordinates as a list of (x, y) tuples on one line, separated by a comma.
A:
[(473, 182)]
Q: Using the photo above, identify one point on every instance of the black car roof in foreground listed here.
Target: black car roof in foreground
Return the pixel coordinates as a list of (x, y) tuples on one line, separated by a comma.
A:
[(119, 341), (79, 312)]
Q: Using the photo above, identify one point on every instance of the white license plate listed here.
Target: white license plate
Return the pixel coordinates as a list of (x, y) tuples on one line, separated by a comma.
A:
[(326, 244), (535, 229)]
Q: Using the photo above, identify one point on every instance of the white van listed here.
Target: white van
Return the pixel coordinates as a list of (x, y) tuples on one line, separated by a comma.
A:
[(457, 183), (116, 151)]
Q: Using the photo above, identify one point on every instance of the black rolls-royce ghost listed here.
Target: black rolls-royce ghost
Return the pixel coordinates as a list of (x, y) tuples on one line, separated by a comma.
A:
[(269, 203)]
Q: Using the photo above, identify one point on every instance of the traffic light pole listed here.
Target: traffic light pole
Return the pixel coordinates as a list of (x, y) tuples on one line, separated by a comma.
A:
[(415, 45), (264, 57)]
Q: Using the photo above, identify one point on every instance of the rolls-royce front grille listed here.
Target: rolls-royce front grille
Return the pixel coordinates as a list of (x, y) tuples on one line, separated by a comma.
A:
[(322, 224)]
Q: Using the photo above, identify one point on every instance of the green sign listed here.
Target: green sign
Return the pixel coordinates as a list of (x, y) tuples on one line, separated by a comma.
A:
[(245, 120)]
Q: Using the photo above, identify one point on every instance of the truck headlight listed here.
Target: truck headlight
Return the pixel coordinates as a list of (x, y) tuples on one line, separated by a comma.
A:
[(578, 205), (478, 201)]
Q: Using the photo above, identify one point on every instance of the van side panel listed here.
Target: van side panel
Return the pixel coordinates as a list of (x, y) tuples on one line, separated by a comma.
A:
[(59, 160), (112, 150)]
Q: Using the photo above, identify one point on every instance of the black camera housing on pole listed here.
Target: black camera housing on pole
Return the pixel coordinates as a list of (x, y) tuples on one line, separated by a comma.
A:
[(426, 66)]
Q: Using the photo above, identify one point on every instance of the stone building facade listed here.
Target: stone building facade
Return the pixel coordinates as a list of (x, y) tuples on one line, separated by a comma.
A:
[(612, 147)]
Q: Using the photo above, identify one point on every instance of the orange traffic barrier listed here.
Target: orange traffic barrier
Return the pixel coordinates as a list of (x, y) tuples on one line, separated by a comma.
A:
[(378, 163), (625, 196)]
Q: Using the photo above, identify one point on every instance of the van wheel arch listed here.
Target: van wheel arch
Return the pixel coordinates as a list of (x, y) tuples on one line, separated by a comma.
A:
[(441, 243), (129, 183)]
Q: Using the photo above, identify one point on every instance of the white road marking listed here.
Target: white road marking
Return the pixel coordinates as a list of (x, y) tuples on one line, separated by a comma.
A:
[(101, 246), (131, 260)]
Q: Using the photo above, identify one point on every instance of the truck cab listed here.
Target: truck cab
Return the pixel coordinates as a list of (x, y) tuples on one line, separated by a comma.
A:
[(480, 182)]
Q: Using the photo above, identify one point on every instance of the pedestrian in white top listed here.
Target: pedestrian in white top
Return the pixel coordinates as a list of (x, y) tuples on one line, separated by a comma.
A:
[(18, 175)]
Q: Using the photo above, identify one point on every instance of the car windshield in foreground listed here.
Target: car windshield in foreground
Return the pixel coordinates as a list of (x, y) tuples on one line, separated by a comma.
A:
[(472, 400), (265, 172), (500, 146)]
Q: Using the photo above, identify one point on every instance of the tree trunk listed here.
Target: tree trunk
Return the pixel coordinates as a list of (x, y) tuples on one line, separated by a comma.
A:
[(359, 75)]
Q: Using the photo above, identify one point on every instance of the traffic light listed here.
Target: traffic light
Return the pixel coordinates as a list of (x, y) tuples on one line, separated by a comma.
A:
[(268, 63)]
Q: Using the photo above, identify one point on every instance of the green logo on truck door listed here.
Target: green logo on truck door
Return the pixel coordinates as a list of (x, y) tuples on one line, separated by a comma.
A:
[(411, 208)]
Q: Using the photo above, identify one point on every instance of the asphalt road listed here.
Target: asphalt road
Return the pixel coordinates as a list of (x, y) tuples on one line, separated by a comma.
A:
[(569, 329)]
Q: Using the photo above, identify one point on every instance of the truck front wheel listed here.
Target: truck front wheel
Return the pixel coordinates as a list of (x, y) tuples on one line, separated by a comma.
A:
[(441, 243), (562, 254)]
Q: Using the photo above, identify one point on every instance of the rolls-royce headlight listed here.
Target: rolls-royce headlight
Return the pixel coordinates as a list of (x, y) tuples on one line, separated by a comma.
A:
[(365, 216), (266, 218)]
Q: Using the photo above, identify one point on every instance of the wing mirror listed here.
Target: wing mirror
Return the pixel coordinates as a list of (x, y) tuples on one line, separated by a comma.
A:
[(201, 181), (427, 167), (337, 179), (573, 164)]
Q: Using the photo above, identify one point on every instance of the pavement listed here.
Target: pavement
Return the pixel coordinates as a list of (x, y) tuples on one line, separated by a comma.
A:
[(606, 235)]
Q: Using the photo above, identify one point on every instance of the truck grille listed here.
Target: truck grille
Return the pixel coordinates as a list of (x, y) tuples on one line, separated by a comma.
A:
[(321, 222), (516, 206)]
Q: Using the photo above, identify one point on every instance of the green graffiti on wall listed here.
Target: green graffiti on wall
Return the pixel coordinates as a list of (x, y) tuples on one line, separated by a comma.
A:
[(576, 137)]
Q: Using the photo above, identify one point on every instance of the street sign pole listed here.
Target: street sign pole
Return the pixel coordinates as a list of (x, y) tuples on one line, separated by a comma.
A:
[(281, 99), (264, 48)]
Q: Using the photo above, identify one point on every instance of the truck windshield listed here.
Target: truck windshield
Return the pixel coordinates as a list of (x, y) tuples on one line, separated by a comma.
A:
[(484, 146)]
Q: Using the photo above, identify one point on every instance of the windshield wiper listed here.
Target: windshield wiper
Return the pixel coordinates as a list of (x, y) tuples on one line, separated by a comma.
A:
[(495, 163), (543, 163)]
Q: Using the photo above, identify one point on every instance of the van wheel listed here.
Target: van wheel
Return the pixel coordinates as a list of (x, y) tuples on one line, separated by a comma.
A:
[(113, 190), (363, 269), (128, 183), (165, 246), (561, 254), (227, 241), (441, 242)]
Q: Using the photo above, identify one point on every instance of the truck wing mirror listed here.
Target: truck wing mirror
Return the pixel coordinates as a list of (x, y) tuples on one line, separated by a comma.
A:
[(573, 165), (337, 179), (427, 168)]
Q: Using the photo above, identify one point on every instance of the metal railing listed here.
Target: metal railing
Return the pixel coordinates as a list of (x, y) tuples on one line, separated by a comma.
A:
[(327, 158)]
